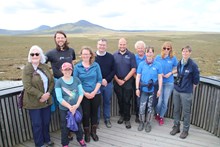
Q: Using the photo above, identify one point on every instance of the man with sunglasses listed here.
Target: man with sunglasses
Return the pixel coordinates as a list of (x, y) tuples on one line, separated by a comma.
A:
[(184, 85)]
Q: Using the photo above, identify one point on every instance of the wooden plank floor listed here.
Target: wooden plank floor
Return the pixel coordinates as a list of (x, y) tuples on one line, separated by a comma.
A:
[(119, 136)]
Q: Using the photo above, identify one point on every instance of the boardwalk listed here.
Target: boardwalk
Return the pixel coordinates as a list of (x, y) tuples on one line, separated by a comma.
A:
[(119, 136)]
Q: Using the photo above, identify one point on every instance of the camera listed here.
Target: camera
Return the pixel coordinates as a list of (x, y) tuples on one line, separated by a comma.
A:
[(178, 80), (150, 84)]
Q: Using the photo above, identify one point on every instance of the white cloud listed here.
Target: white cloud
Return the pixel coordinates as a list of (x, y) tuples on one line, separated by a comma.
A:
[(198, 15)]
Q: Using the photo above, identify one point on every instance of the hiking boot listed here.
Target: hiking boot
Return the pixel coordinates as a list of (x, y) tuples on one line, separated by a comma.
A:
[(127, 124), (148, 127), (87, 134), (161, 121), (121, 120), (184, 134), (82, 143), (141, 126), (108, 123), (93, 133), (157, 117), (176, 129), (137, 120)]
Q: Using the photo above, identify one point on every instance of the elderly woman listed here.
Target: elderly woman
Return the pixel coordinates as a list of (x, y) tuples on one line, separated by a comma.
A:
[(90, 75), (38, 84)]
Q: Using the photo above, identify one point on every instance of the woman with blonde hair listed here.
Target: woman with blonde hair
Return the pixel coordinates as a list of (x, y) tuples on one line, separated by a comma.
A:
[(169, 63), (89, 73)]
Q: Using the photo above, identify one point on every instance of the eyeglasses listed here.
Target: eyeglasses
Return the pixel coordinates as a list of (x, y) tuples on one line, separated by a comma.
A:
[(36, 54), (166, 48)]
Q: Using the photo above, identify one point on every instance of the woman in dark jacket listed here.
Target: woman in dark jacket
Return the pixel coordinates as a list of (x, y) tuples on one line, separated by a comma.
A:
[(38, 84)]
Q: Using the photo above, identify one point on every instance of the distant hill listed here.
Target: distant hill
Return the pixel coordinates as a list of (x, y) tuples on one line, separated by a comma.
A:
[(81, 26)]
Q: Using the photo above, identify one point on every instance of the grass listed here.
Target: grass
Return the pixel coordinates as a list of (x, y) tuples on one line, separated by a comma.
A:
[(14, 49)]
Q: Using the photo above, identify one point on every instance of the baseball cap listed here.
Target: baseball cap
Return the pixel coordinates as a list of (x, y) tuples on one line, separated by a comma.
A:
[(66, 65)]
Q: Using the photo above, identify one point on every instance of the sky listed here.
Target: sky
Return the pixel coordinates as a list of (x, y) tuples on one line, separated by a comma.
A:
[(178, 15)]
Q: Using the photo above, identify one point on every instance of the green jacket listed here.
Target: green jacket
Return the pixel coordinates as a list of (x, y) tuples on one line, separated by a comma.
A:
[(34, 87)]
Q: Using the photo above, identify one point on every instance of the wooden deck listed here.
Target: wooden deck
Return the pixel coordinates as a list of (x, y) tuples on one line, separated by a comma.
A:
[(119, 136)]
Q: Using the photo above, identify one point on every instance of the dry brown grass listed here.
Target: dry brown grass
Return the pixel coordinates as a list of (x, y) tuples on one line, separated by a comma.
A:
[(14, 49)]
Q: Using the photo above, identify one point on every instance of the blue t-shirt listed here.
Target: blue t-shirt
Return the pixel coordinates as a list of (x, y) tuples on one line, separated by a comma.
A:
[(89, 77), (148, 72), (68, 91), (138, 59), (167, 66)]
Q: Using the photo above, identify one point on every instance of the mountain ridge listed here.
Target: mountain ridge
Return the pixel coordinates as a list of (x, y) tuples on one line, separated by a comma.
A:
[(81, 26)]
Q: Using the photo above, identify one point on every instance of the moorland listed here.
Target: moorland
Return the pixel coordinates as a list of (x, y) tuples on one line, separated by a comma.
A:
[(206, 48)]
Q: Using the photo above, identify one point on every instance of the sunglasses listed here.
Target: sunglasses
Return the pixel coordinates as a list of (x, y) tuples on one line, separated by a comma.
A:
[(36, 54), (166, 48)]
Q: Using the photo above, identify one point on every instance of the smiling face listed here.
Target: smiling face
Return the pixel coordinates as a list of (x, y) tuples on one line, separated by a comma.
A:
[(167, 49), (102, 46), (122, 45), (60, 40), (86, 55), (186, 53), (140, 50), (35, 56)]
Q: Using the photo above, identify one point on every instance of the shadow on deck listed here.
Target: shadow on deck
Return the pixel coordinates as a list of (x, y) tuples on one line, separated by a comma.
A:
[(119, 136)]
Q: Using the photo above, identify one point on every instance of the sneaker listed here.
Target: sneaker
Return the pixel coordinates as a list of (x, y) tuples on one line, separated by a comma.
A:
[(176, 129), (141, 126), (65, 146), (127, 124), (184, 134), (157, 117), (108, 123), (82, 143), (161, 121), (148, 127), (50, 144), (137, 119), (121, 120)]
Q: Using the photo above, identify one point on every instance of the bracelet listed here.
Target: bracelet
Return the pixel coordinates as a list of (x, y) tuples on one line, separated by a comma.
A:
[(137, 88)]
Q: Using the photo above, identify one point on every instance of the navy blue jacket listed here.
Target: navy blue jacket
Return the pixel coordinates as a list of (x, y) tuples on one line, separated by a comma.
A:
[(189, 76)]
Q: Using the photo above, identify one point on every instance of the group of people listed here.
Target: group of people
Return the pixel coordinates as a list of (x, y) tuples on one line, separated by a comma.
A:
[(80, 88)]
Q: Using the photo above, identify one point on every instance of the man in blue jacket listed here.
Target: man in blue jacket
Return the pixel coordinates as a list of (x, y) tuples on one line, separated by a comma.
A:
[(185, 83)]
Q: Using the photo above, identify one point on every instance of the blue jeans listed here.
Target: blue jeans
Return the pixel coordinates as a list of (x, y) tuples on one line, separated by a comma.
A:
[(106, 98), (183, 100), (161, 107), (40, 121)]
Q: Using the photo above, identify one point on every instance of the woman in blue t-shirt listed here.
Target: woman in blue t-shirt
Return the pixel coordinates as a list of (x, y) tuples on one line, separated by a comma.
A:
[(169, 63), (149, 73)]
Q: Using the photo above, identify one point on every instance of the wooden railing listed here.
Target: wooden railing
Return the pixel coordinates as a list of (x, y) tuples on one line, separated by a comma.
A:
[(15, 126)]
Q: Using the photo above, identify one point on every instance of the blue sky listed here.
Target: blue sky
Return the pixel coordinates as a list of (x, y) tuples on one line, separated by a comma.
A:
[(182, 15)]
